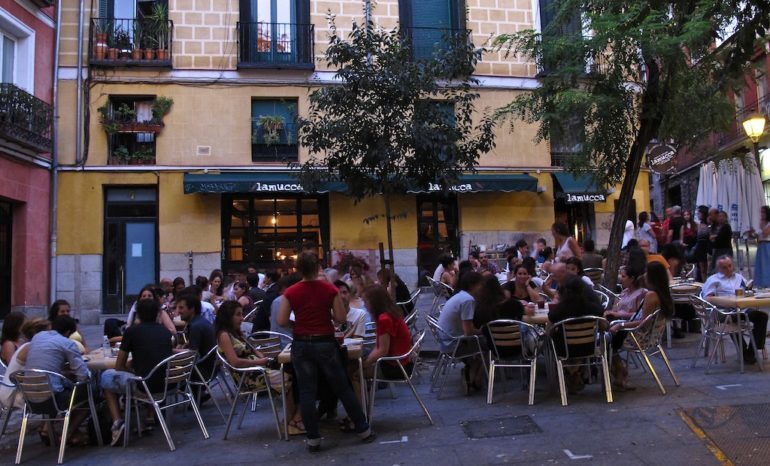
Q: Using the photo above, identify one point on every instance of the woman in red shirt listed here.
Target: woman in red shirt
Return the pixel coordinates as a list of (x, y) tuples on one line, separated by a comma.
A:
[(315, 351), (393, 337)]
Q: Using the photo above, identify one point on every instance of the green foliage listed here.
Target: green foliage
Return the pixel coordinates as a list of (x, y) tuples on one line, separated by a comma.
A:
[(121, 152), (384, 129), (271, 128), (652, 74), (161, 106), (158, 18)]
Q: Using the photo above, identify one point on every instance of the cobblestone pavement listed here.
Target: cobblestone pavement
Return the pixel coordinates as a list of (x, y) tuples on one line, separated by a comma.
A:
[(690, 425)]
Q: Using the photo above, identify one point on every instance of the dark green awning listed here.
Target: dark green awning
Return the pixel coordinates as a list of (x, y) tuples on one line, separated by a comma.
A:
[(580, 188), (249, 182), (284, 182), (488, 183)]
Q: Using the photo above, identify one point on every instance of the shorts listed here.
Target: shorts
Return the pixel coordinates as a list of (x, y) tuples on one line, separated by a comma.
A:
[(115, 381)]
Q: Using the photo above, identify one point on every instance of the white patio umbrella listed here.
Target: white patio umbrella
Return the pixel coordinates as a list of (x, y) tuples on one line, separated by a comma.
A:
[(754, 195), (706, 186), (723, 186)]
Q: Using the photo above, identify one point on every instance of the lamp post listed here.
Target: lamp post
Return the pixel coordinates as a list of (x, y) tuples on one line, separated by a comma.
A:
[(754, 127)]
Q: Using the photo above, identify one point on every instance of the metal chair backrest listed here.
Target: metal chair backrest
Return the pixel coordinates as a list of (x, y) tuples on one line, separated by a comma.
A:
[(595, 274), (705, 311), (404, 305), (205, 360), (35, 386), (545, 297), (509, 337), (579, 337), (178, 369), (650, 331), (608, 292), (604, 299), (441, 335), (267, 343)]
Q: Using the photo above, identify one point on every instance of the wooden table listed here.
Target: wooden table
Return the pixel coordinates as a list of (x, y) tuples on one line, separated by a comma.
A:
[(355, 353), (744, 302), (97, 361), (681, 291), (540, 318)]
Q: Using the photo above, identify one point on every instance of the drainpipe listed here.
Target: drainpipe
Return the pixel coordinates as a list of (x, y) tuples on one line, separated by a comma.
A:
[(54, 194), (79, 97), (367, 10)]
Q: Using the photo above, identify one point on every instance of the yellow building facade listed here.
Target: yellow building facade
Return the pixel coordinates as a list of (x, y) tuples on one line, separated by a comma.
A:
[(207, 186)]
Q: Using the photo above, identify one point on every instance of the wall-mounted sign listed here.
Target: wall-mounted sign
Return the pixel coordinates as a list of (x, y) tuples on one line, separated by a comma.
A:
[(574, 198), (661, 158)]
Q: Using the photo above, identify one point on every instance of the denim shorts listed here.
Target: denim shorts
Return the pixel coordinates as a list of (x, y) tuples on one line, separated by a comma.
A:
[(115, 381)]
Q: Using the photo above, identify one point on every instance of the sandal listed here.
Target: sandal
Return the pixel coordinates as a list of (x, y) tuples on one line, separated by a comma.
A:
[(347, 426), (296, 428)]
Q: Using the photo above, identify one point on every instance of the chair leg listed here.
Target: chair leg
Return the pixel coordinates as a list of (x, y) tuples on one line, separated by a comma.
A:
[(283, 405), (162, 422), (562, 387), (8, 413), (23, 433), (417, 396), (701, 344), (532, 379), (669, 329), (491, 382), (214, 399), (607, 383), (753, 344), (372, 392), (95, 417), (230, 416), (443, 377), (668, 365), (714, 350), (275, 411), (196, 411), (654, 374), (64, 432), (251, 398)]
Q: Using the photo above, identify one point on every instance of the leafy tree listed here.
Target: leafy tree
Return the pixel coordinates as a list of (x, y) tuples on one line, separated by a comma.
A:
[(394, 124), (634, 72)]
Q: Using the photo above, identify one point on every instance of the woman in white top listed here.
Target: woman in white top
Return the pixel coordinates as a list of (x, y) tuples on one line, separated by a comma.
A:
[(18, 362), (646, 232), (163, 318), (566, 245)]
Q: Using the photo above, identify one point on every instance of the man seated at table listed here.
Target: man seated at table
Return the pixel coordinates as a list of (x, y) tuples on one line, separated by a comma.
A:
[(456, 319), (356, 318), (52, 350), (644, 245), (724, 283), (199, 334), (559, 275), (148, 343)]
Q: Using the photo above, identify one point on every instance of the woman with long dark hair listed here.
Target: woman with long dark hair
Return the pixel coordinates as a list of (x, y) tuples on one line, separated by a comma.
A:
[(699, 253), (315, 351), (393, 337), (11, 337), (566, 246)]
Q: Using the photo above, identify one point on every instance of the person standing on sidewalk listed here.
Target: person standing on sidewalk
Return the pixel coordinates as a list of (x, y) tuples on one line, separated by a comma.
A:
[(315, 351)]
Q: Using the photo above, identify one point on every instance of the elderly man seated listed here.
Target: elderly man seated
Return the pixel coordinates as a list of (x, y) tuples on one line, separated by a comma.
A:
[(724, 283)]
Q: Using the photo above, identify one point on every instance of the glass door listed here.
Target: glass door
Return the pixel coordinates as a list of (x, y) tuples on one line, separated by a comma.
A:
[(437, 230), (130, 246), (276, 30), (6, 230)]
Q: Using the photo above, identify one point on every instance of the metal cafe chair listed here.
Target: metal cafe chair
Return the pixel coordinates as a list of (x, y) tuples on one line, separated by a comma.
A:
[(40, 398), (412, 300), (705, 312), (645, 341), (448, 353), (247, 325), (178, 368), (441, 293), (214, 378), (582, 342), (407, 378), (680, 294), (7, 410), (513, 344), (604, 299), (243, 390), (595, 274)]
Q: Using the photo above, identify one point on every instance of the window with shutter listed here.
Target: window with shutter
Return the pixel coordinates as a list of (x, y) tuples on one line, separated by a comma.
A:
[(431, 25)]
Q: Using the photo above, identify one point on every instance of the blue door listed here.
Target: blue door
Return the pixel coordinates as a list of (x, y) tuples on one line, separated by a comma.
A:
[(140, 254)]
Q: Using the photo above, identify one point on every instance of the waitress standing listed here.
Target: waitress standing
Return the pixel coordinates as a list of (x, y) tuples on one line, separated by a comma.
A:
[(762, 261), (315, 350)]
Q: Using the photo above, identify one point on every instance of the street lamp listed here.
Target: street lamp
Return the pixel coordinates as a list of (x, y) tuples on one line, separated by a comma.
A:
[(754, 127)]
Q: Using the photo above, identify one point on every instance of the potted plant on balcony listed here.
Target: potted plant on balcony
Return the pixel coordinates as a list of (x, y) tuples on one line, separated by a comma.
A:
[(149, 44), (106, 119), (120, 156), (101, 32), (136, 51), (144, 156), (159, 18), (122, 42), (160, 108)]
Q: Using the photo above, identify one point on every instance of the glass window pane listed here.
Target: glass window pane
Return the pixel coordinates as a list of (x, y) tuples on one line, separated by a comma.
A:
[(9, 59)]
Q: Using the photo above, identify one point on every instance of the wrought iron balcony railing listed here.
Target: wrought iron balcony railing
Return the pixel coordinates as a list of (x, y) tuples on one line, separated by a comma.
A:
[(736, 132), (277, 144), (25, 119), (275, 45), (130, 42)]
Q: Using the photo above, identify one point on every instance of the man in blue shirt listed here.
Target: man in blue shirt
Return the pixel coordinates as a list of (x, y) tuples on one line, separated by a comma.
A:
[(199, 332), (51, 351)]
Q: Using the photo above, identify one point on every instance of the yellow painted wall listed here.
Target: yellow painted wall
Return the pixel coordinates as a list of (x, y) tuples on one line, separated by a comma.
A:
[(81, 208), (641, 196), (517, 211), (188, 222), (347, 229)]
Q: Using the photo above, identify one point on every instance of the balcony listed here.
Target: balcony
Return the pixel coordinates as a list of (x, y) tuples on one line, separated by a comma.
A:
[(426, 42), (735, 133), (277, 144), (25, 119), (276, 45), (130, 42)]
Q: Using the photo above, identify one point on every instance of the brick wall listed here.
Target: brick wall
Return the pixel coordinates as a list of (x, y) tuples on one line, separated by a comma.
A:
[(204, 34)]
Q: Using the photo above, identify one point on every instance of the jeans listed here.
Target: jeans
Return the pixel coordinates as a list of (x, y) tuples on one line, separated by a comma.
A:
[(311, 358)]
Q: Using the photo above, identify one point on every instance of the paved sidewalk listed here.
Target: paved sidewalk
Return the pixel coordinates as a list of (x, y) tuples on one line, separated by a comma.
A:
[(640, 427)]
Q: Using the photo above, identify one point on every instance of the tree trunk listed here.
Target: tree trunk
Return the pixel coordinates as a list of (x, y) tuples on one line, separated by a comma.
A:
[(388, 219)]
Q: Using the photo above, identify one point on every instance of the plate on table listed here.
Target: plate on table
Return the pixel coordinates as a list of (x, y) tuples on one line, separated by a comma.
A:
[(353, 341), (762, 295)]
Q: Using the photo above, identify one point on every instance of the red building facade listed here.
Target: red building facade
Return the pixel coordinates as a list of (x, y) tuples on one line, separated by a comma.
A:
[(27, 36)]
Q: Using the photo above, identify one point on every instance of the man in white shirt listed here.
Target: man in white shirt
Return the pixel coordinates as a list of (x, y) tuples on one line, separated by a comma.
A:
[(356, 318), (724, 283)]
